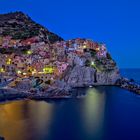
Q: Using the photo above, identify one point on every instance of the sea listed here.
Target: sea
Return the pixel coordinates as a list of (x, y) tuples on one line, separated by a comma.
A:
[(101, 113)]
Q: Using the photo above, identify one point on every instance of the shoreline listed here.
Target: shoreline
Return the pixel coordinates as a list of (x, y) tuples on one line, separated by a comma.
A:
[(129, 85), (14, 94)]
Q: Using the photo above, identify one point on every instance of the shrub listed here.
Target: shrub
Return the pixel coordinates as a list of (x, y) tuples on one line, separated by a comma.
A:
[(87, 63), (93, 53)]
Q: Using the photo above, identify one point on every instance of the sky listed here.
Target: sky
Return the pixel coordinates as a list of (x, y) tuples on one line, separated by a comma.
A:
[(113, 22)]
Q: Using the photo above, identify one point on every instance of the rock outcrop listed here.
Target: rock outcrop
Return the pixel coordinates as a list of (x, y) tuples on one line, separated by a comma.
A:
[(81, 76), (130, 85)]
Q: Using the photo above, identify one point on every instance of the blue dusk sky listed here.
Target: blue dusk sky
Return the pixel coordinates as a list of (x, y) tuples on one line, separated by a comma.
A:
[(113, 22)]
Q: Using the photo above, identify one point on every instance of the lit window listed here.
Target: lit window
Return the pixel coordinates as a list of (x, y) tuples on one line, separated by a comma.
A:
[(8, 62)]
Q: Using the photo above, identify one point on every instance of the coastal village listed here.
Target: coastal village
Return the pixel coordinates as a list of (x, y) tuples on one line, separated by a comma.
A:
[(34, 60), (45, 61)]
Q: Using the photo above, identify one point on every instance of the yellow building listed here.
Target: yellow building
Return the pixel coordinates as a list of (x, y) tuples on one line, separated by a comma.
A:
[(48, 70)]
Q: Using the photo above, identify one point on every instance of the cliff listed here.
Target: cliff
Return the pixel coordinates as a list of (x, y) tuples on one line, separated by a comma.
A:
[(94, 67), (86, 76), (41, 61)]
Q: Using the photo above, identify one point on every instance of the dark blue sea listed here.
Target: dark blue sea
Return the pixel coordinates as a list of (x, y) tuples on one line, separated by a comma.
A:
[(103, 113)]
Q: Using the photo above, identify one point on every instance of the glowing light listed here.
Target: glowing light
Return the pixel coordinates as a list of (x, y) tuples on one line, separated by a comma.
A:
[(97, 49), (19, 72), (84, 46), (2, 70), (24, 73), (29, 52), (48, 70), (34, 71), (40, 72), (92, 63), (8, 62)]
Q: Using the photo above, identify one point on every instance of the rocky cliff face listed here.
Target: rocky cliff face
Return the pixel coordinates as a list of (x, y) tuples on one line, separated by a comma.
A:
[(87, 76), (20, 26), (93, 66), (90, 75)]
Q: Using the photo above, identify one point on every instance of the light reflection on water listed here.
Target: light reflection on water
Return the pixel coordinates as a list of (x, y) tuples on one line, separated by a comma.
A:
[(93, 111), (103, 114), (18, 119)]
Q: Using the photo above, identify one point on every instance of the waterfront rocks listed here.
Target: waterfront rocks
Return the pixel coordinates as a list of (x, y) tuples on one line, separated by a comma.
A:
[(58, 90), (12, 94), (52, 92), (23, 85), (58, 93), (130, 85)]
